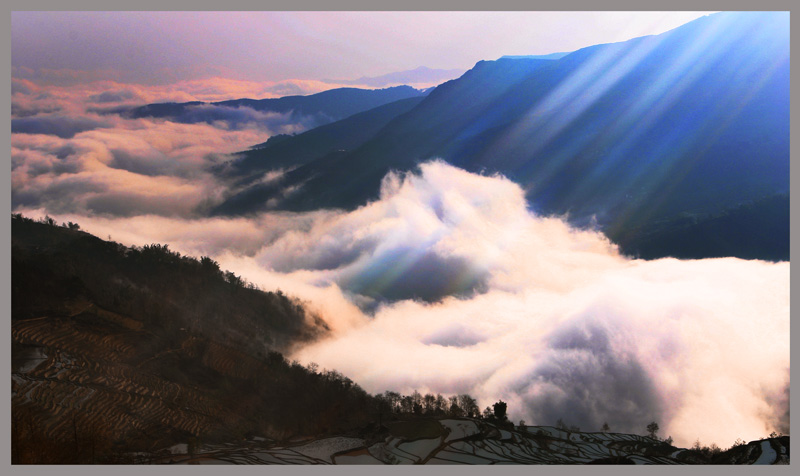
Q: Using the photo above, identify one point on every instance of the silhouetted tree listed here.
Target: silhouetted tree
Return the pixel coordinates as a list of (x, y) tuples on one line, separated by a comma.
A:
[(468, 405), (406, 404), (429, 402), (209, 266), (652, 429), (500, 410), (605, 427), (416, 398), (441, 403), (394, 400), (697, 446), (454, 410)]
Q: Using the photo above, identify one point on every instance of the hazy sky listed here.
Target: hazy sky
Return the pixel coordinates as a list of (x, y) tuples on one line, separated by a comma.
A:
[(166, 47)]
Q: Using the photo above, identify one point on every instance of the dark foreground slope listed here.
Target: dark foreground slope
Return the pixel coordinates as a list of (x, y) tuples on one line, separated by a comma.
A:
[(117, 349), (634, 136)]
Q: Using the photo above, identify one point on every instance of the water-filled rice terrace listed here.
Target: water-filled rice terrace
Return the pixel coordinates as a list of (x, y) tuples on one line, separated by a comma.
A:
[(465, 441)]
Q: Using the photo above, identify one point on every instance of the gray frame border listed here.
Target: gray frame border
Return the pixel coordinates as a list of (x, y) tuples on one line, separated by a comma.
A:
[(354, 5)]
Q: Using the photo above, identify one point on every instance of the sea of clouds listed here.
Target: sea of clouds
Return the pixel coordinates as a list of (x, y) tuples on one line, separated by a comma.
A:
[(447, 283), (71, 153)]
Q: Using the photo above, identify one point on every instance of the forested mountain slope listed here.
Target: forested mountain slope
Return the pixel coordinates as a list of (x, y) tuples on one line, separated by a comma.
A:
[(118, 349)]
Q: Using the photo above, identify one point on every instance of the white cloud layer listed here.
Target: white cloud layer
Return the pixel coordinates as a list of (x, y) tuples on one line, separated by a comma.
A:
[(449, 284)]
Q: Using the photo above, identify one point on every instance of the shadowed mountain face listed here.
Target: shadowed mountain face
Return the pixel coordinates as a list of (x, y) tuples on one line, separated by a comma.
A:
[(634, 136), (287, 151), (322, 108)]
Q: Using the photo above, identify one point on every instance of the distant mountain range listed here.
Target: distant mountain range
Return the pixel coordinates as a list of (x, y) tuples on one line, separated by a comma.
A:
[(421, 75), (324, 107), (551, 56), (648, 138)]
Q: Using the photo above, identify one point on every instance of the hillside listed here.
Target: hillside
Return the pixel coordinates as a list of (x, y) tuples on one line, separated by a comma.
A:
[(118, 349)]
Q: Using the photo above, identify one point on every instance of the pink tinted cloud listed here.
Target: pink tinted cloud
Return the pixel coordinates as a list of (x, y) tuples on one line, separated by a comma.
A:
[(211, 89), (134, 167)]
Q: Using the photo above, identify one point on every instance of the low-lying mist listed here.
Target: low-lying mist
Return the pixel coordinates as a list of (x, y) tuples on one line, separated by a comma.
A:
[(448, 283)]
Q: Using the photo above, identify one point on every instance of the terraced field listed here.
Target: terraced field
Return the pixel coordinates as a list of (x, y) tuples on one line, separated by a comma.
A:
[(474, 442), (96, 376)]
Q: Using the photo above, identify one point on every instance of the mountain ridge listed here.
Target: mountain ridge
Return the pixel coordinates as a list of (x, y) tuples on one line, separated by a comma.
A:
[(609, 134), (323, 107), (421, 74), (291, 151)]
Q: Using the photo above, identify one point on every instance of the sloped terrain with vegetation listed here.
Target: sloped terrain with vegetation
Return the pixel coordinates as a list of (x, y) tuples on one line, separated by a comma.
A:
[(118, 349)]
